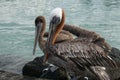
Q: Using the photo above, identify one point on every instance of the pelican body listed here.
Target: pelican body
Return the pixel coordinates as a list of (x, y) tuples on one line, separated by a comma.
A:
[(77, 55)]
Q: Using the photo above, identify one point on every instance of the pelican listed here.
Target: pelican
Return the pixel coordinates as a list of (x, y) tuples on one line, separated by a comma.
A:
[(40, 25), (76, 55)]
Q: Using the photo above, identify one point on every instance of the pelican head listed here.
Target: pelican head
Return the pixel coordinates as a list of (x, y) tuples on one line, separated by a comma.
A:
[(57, 19), (39, 28)]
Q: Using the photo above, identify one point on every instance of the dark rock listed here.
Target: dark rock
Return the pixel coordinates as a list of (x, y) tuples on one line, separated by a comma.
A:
[(12, 76), (35, 68), (115, 54), (115, 72)]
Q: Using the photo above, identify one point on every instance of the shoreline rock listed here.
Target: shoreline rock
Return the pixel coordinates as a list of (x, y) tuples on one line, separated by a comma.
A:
[(12, 76), (35, 68)]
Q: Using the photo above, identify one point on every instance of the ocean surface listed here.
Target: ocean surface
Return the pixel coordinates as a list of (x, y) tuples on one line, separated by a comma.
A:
[(17, 30)]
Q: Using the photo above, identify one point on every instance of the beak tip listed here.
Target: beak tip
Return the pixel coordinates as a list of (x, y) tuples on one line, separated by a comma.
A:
[(34, 51), (45, 58), (43, 62)]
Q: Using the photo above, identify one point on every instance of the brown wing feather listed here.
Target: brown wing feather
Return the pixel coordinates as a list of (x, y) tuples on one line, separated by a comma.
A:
[(80, 32), (89, 35), (83, 53)]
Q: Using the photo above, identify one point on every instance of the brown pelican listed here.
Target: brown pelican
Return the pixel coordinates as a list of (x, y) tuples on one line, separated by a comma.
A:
[(40, 25), (76, 55)]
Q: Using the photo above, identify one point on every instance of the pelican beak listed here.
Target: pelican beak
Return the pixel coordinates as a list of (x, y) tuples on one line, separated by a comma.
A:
[(53, 29), (51, 33), (51, 37), (38, 29)]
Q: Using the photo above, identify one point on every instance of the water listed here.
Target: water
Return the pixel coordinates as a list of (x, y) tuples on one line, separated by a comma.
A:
[(17, 24)]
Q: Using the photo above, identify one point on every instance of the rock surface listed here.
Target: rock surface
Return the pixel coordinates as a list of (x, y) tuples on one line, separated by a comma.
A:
[(12, 76), (115, 55), (35, 68)]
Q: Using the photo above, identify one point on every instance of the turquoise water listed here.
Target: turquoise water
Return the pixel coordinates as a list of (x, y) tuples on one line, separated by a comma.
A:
[(17, 23)]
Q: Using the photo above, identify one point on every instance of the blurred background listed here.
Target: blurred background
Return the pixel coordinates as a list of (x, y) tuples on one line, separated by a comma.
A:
[(17, 30)]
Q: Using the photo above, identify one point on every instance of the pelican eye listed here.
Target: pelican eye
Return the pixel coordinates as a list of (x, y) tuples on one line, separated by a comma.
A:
[(39, 20), (55, 20), (39, 24)]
